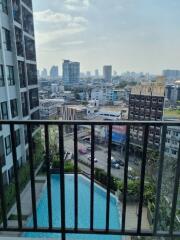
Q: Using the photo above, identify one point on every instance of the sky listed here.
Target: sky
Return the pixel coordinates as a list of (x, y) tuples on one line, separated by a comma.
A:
[(130, 35)]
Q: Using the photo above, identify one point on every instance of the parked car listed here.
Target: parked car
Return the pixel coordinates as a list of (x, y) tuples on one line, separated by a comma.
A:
[(82, 150), (95, 159), (115, 165), (120, 162)]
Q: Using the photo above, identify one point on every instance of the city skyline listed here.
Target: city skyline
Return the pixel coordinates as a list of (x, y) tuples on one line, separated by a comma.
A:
[(129, 35)]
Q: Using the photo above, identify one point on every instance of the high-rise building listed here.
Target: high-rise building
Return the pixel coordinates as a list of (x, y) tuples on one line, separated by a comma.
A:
[(54, 72), (71, 72), (44, 73), (172, 92), (88, 74), (171, 75), (146, 102), (18, 79), (114, 73), (107, 73), (96, 72)]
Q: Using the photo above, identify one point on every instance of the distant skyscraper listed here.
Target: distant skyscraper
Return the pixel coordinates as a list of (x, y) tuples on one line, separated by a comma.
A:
[(107, 73), (96, 73), (44, 73), (114, 73), (88, 74), (54, 72), (171, 74), (71, 72)]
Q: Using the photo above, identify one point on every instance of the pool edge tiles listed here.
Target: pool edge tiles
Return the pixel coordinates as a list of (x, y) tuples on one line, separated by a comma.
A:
[(83, 208)]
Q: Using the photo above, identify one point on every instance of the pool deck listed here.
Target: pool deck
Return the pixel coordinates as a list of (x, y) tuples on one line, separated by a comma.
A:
[(131, 211), (26, 205), (131, 217)]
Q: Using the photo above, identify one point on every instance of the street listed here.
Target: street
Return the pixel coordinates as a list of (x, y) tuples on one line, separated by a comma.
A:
[(101, 154)]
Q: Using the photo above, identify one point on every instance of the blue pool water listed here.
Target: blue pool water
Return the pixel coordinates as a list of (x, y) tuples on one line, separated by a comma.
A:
[(83, 208)]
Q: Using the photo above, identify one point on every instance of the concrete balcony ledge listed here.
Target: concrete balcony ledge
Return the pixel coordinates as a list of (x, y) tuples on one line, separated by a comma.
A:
[(21, 238)]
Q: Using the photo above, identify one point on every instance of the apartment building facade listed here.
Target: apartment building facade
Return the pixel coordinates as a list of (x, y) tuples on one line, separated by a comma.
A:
[(71, 73), (172, 142), (146, 102), (18, 78)]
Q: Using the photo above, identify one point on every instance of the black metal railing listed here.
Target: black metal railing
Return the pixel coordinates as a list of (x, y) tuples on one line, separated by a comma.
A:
[(138, 231)]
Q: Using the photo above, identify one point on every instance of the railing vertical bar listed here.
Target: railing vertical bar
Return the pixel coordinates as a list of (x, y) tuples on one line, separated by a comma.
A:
[(92, 180), (33, 191), (159, 180), (175, 193), (62, 182), (75, 178), (3, 204), (125, 178), (108, 177), (46, 130), (15, 166), (143, 169)]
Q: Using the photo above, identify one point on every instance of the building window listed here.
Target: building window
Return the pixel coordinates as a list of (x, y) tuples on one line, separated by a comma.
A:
[(22, 76), (30, 49), (10, 75), (27, 21), (11, 174), (32, 74), (19, 42), (174, 152), (28, 3), (14, 110), (1, 76), (4, 6), (4, 110), (7, 39), (2, 156), (8, 145), (174, 142), (18, 141), (33, 98), (25, 135), (24, 103), (17, 11)]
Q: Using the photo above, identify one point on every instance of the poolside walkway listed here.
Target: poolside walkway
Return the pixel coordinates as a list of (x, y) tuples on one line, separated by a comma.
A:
[(131, 217), (26, 204)]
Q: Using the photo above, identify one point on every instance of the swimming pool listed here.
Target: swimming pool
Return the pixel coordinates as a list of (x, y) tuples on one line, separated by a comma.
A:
[(83, 208)]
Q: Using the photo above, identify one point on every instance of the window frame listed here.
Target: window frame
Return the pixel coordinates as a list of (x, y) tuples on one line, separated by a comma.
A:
[(10, 75), (5, 114), (2, 82), (14, 108), (7, 39), (5, 6), (8, 145), (18, 138)]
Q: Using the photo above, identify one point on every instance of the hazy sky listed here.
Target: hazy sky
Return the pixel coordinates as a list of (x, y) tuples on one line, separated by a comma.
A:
[(134, 35)]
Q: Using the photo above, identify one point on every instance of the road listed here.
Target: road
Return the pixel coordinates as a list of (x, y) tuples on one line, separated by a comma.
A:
[(101, 154)]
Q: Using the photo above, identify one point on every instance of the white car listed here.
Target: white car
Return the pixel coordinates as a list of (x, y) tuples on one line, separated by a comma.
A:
[(95, 159)]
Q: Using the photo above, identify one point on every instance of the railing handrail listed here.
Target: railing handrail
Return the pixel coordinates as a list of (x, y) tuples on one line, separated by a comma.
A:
[(89, 122), (64, 229)]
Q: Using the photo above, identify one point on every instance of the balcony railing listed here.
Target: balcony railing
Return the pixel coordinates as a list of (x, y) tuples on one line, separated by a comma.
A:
[(138, 231)]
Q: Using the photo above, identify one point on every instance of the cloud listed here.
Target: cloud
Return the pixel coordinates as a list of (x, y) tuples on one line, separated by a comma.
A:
[(77, 5), (57, 17), (58, 25), (79, 42)]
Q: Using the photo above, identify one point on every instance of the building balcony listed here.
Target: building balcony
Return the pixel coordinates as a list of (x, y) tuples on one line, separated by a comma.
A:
[(84, 199)]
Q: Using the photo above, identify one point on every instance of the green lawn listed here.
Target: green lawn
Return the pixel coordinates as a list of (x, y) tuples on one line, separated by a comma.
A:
[(172, 113)]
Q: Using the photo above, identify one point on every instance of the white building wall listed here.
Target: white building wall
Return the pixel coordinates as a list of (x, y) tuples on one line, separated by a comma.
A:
[(8, 93)]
